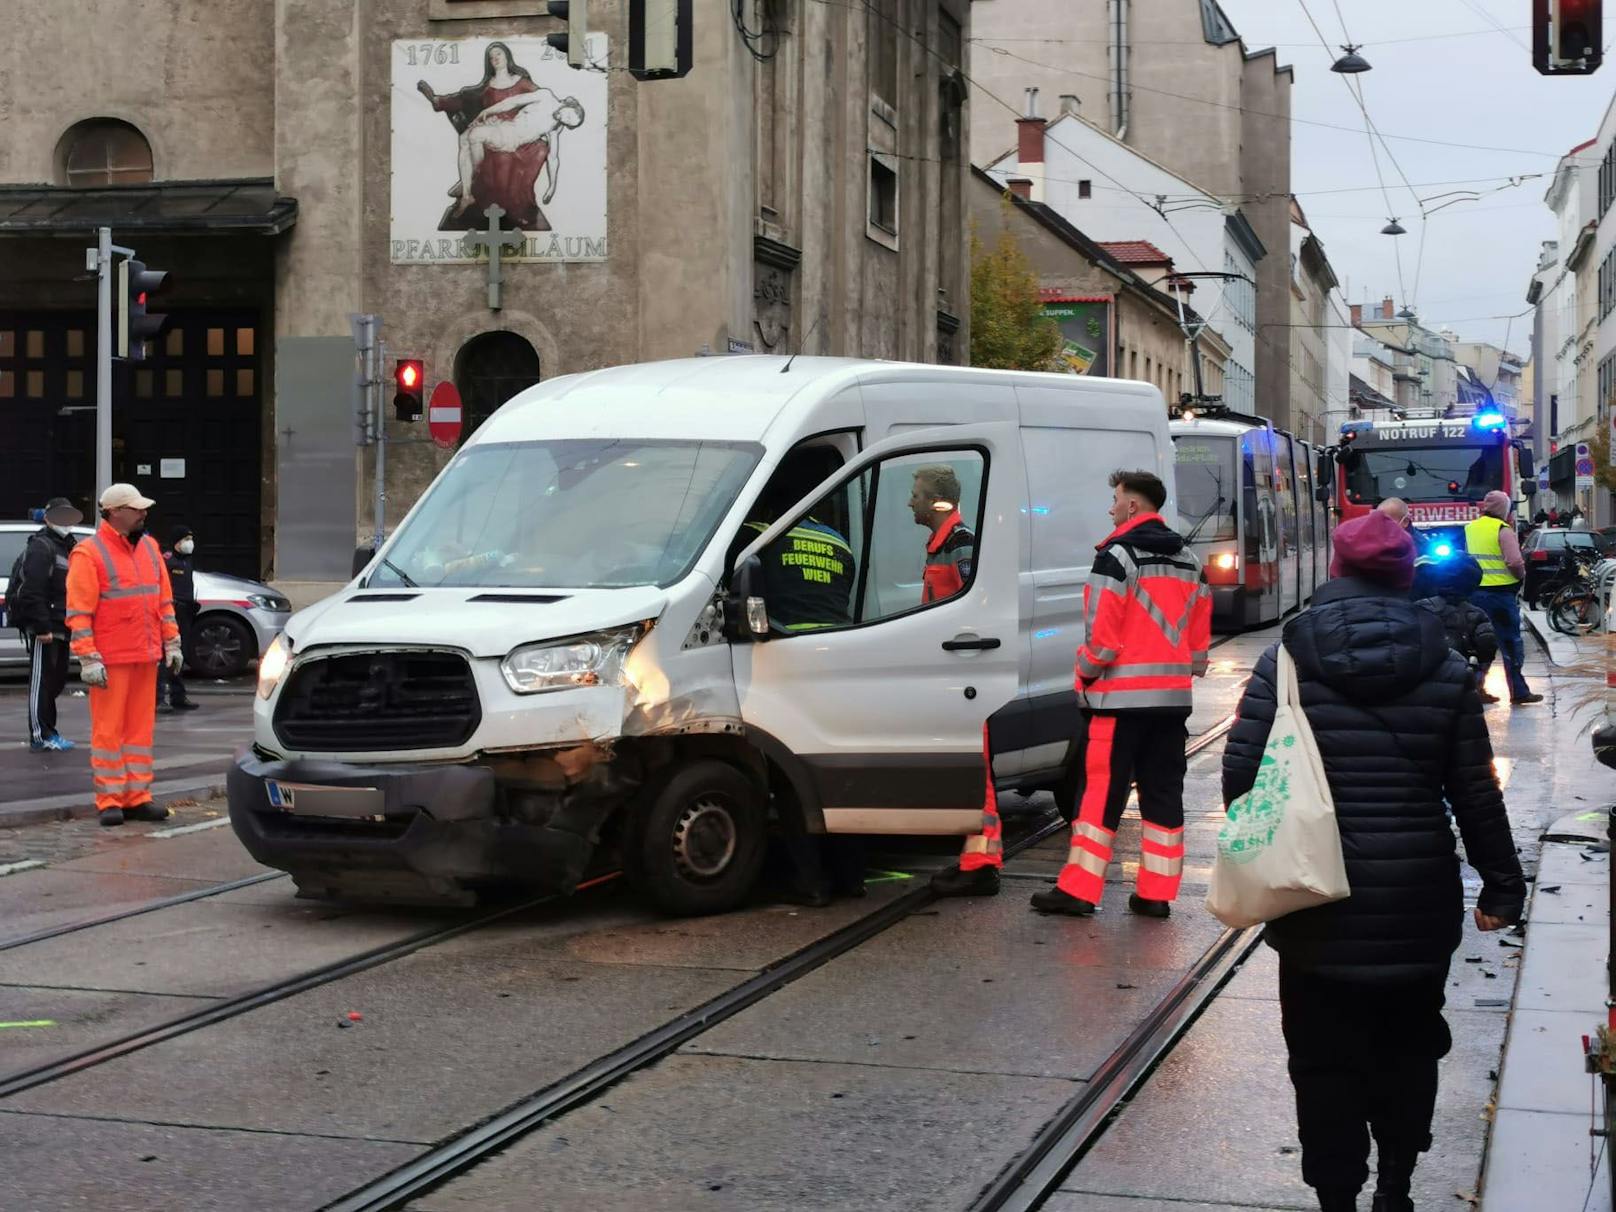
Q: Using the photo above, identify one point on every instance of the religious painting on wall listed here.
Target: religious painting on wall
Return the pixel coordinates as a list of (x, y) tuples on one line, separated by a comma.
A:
[(1085, 326), (497, 133)]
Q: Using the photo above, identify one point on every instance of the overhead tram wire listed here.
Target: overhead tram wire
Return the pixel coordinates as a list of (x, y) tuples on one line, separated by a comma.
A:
[(1460, 33)]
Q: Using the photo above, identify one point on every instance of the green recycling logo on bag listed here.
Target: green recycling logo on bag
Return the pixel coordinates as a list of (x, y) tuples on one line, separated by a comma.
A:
[(1255, 817)]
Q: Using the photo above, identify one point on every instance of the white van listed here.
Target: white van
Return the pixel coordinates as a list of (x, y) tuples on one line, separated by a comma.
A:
[(555, 652)]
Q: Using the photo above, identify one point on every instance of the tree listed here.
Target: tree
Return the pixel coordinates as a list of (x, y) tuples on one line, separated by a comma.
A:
[(1599, 448), (1009, 330)]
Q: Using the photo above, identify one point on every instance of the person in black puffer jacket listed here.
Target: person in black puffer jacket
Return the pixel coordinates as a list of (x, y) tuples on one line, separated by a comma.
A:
[(1445, 586), (1361, 981)]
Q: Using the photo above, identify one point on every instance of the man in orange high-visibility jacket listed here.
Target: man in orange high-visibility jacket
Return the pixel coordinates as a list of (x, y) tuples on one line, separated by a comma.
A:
[(1149, 626), (120, 614)]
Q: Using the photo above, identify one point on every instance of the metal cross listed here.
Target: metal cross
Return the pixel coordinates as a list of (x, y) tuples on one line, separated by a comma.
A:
[(493, 241)]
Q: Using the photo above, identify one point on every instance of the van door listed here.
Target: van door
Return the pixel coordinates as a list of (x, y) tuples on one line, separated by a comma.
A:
[(876, 710)]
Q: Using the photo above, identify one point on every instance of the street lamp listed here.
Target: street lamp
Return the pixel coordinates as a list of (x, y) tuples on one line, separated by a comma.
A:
[(1394, 228), (1351, 63)]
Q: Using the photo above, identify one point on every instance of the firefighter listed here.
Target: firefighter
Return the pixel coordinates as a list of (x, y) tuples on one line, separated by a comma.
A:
[(1148, 618), (951, 549), (120, 613), (38, 606)]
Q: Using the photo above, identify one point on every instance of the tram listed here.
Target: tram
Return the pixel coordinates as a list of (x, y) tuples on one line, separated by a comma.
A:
[(1253, 503)]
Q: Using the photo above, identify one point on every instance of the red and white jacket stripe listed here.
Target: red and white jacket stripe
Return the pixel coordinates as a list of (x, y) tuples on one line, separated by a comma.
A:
[(1149, 621)]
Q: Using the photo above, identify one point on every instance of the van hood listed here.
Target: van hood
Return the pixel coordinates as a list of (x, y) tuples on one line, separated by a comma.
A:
[(483, 622)]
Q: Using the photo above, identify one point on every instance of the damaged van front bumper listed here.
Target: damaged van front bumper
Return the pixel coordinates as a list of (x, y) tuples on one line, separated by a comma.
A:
[(425, 832)]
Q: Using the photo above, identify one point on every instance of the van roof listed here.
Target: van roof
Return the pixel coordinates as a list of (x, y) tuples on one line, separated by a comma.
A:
[(730, 398)]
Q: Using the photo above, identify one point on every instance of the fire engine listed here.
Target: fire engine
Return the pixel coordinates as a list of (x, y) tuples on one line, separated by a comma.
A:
[(1441, 466)]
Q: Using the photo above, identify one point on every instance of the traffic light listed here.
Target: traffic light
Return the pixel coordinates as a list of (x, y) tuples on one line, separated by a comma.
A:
[(659, 39), (136, 326), (1567, 36), (409, 377), (574, 42)]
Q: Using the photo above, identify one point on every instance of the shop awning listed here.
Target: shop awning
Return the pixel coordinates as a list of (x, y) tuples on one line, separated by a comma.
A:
[(164, 208)]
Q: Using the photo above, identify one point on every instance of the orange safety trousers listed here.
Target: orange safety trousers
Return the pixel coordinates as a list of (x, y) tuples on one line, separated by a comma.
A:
[(1120, 750), (986, 849), (123, 717)]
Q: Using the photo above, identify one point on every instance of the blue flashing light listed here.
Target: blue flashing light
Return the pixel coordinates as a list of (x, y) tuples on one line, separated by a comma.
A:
[(1490, 420), (1442, 550)]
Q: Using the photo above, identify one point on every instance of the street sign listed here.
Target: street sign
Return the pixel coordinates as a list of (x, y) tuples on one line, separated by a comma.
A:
[(1585, 467), (443, 414)]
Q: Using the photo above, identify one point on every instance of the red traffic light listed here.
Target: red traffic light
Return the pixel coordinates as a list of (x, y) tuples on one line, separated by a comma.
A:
[(409, 375), (1567, 36)]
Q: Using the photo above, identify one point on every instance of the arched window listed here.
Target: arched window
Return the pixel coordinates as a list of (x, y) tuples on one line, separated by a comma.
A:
[(103, 151), (490, 369)]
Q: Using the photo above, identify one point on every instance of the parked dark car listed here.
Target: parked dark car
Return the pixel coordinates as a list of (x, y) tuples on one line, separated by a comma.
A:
[(1548, 552)]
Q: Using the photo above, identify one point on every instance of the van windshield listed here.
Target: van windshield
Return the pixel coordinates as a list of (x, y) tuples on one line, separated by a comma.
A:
[(589, 513)]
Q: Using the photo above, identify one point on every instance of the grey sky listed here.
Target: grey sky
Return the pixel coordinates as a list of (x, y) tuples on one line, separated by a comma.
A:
[(1480, 89)]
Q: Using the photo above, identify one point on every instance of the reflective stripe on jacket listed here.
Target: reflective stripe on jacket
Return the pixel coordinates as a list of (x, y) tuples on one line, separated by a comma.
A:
[(1149, 621), (1481, 540), (949, 556), (120, 609)]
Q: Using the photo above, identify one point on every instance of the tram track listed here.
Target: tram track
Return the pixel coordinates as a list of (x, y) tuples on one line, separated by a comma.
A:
[(476, 1144), (119, 915)]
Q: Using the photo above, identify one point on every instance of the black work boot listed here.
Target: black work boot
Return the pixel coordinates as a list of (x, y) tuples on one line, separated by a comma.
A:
[(1337, 1201), (951, 881), (1053, 900), (110, 816), (146, 812), (1145, 907), (1394, 1177)]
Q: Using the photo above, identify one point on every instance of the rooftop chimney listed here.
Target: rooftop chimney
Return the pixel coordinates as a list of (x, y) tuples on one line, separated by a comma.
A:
[(1030, 153), (1357, 314), (1388, 309), (1021, 187), (1032, 103)]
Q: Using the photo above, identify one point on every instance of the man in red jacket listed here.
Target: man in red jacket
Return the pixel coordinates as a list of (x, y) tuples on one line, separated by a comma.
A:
[(1149, 625)]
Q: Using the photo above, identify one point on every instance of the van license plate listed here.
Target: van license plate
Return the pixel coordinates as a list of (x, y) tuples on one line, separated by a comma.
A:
[(305, 799)]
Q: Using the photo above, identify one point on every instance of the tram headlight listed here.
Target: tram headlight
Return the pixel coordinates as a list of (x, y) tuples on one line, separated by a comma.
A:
[(1224, 560), (586, 660), (272, 665)]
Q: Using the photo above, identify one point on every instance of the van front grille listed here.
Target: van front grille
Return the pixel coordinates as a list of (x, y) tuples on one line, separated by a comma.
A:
[(379, 701)]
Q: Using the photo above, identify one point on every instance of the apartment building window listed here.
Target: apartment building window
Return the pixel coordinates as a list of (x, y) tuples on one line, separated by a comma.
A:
[(1240, 293), (1607, 284), (1607, 179), (882, 23), (883, 225), (1085, 189), (1607, 383)]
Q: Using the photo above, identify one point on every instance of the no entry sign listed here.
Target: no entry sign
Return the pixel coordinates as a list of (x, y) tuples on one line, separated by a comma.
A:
[(443, 414)]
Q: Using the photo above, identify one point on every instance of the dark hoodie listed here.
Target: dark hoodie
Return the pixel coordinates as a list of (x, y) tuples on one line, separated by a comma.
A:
[(1399, 726), (1449, 584)]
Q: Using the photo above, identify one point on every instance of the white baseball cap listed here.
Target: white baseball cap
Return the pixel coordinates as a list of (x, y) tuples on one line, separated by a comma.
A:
[(119, 495)]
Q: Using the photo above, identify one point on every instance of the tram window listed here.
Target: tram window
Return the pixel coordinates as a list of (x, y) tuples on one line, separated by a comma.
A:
[(1208, 492), (1285, 490)]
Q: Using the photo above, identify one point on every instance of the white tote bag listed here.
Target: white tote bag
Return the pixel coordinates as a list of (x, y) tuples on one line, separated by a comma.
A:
[(1280, 848)]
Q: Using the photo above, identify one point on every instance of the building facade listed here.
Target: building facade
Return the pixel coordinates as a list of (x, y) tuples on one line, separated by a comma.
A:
[(1172, 80), (1319, 369), (1115, 320), (1106, 189), (294, 163), (1423, 368)]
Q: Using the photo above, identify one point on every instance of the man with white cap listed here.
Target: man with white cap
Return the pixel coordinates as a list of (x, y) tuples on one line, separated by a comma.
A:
[(38, 601), (120, 612)]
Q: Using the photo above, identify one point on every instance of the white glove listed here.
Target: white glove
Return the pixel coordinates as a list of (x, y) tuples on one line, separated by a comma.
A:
[(173, 657), (93, 673)]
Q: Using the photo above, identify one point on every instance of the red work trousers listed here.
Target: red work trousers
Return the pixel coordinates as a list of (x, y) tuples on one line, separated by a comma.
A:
[(123, 716), (986, 849), (1120, 750)]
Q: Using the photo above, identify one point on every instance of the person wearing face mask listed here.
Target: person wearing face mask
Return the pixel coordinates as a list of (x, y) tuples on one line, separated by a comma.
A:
[(170, 687), (38, 597), (120, 612)]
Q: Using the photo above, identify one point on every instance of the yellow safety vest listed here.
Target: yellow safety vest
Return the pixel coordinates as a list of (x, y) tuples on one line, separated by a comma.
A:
[(1481, 540)]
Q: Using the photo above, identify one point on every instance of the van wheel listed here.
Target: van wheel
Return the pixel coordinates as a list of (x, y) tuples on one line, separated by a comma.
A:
[(697, 842)]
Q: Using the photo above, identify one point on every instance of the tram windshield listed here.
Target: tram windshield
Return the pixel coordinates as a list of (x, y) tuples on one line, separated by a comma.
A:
[(1208, 487), (1417, 473)]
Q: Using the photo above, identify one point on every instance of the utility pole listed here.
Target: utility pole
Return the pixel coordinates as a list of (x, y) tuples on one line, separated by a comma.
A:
[(370, 424), (98, 260)]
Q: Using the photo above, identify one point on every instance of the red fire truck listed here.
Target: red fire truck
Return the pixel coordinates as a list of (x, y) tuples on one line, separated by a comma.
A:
[(1441, 466)]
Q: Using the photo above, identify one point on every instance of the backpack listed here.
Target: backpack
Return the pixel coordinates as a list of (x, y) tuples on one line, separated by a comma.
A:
[(14, 582)]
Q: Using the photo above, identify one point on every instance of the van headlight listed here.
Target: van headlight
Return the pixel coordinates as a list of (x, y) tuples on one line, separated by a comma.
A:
[(272, 665), (586, 660)]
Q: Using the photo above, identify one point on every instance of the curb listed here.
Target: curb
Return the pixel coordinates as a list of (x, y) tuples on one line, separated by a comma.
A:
[(75, 808)]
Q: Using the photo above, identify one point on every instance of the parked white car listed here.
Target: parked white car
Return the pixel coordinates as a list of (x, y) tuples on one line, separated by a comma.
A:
[(237, 619)]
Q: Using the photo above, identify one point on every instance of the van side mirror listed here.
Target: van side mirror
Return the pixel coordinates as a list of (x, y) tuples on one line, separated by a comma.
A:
[(746, 617), (1322, 494), (361, 557)]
